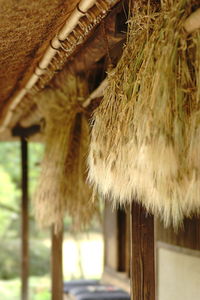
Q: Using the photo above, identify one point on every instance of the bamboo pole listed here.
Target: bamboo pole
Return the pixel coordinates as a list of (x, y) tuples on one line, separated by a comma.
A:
[(142, 254), (25, 221)]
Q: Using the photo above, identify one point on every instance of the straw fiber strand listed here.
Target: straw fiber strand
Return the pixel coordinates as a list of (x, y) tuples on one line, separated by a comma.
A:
[(147, 127)]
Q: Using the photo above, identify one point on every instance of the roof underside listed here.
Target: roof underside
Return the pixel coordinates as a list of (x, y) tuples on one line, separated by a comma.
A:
[(24, 26), (27, 28)]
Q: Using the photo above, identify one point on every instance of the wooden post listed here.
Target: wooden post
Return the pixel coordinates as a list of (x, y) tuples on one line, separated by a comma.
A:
[(25, 220), (121, 226), (142, 254), (56, 265)]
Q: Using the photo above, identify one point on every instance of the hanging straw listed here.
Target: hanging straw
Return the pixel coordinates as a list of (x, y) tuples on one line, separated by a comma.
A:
[(62, 186), (79, 194), (145, 137)]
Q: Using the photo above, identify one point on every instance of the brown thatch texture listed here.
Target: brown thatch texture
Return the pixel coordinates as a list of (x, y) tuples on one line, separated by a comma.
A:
[(13, 111), (24, 26), (62, 186), (145, 137)]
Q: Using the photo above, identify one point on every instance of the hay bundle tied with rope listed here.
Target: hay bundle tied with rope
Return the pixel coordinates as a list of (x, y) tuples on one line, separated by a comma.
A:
[(146, 132), (62, 188)]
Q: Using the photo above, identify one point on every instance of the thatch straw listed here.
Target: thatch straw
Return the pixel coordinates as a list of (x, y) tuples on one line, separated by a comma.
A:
[(62, 186), (79, 193), (146, 132)]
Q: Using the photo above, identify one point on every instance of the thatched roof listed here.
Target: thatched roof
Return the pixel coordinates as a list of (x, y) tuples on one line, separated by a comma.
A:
[(25, 29)]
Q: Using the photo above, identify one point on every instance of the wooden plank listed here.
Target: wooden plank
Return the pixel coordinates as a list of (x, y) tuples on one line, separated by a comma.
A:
[(187, 236), (142, 254), (56, 265), (25, 221), (178, 249), (26, 131)]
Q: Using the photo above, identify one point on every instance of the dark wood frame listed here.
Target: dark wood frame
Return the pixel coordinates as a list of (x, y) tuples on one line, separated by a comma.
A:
[(142, 254)]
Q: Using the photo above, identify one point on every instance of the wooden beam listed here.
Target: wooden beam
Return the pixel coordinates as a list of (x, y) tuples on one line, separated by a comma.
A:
[(96, 93), (187, 236), (107, 37), (56, 265), (25, 132), (25, 220), (142, 254)]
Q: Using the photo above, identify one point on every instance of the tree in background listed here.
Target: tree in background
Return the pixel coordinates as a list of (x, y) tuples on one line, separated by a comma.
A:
[(9, 195), (10, 211)]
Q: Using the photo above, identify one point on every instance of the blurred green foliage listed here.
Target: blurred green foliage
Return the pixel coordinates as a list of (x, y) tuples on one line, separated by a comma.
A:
[(8, 201), (10, 160), (39, 289), (10, 185), (10, 258), (10, 211)]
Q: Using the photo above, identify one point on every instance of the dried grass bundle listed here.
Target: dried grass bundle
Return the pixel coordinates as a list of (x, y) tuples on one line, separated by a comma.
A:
[(79, 193), (62, 186), (145, 137)]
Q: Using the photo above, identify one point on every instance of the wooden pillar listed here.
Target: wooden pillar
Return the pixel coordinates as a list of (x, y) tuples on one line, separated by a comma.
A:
[(121, 226), (25, 220), (56, 265), (142, 254)]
